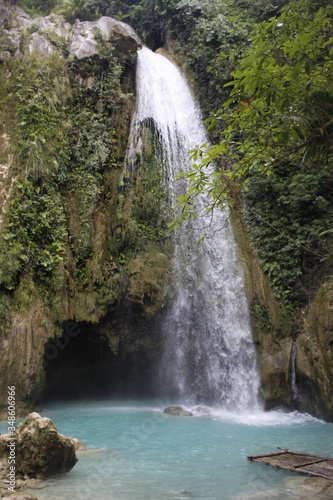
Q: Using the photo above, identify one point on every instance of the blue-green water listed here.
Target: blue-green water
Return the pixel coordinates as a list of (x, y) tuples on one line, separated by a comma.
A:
[(141, 453)]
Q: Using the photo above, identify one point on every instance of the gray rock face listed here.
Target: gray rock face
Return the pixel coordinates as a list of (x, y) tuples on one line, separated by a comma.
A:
[(43, 35), (39, 450), (178, 411), (121, 34), (83, 41), (22, 348), (40, 45)]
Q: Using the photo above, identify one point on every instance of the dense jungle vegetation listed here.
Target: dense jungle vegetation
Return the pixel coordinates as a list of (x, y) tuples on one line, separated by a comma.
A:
[(264, 77), (70, 234)]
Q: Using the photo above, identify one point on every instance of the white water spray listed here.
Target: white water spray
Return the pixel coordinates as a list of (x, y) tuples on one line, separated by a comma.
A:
[(209, 356)]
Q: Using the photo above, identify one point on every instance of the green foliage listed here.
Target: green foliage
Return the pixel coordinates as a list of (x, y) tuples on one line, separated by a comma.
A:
[(214, 35), (32, 29), (262, 313), (26, 293), (287, 213), (279, 118), (141, 234), (41, 93), (93, 146), (34, 235), (74, 9), (215, 30), (61, 152), (5, 316), (153, 20), (60, 226), (263, 9), (92, 113), (58, 41), (40, 7), (280, 105), (84, 193), (11, 258), (143, 212), (7, 44), (283, 91), (147, 279)]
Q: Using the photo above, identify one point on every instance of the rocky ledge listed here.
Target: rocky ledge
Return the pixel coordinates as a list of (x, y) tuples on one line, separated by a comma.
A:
[(21, 33), (34, 451)]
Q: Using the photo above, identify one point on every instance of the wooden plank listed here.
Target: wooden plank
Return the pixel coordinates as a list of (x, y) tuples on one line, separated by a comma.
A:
[(324, 469), (301, 454), (255, 457), (294, 461), (311, 463), (309, 473)]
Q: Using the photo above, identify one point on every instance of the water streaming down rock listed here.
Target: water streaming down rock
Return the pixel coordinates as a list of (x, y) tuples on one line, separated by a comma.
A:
[(293, 356), (209, 355)]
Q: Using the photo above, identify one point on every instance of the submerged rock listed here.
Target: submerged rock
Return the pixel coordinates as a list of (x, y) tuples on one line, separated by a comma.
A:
[(311, 487), (17, 496), (178, 411), (180, 495), (39, 450)]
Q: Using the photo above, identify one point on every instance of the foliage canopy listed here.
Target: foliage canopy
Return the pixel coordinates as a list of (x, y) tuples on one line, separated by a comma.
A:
[(278, 118), (280, 108)]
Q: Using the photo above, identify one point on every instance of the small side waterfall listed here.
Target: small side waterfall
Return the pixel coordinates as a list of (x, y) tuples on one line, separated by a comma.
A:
[(209, 356), (293, 356)]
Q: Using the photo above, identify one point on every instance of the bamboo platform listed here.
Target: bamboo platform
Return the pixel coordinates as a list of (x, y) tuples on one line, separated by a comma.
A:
[(297, 462)]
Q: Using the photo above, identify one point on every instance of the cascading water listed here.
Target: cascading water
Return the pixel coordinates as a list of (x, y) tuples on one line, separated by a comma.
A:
[(293, 356), (209, 356)]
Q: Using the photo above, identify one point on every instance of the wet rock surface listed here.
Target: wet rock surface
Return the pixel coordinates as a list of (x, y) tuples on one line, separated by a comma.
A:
[(39, 451), (201, 410), (178, 411), (78, 47)]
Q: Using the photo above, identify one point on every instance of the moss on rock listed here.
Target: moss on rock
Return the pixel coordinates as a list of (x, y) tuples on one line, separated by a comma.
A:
[(73, 246)]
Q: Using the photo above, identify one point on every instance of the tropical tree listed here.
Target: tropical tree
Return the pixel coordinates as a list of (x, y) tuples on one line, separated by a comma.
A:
[(74, 9), (37, 6), (280, 108)]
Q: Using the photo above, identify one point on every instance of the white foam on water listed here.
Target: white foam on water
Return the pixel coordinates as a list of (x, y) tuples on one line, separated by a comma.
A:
[(264, 418)]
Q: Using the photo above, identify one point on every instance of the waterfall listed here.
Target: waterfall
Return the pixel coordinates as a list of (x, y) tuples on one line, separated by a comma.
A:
[(293, 356), (209, 355)]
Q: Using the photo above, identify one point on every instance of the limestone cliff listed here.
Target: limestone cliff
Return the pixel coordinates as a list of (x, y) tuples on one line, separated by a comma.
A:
[(314, 366), (274, 332), (271, 332), (76, 248), (84, 248)]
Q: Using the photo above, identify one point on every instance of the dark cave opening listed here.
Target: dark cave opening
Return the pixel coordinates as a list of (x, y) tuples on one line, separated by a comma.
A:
[(82, 365)]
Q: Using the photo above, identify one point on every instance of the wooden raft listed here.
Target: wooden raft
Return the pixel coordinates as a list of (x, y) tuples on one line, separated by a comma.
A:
[(298, 462)]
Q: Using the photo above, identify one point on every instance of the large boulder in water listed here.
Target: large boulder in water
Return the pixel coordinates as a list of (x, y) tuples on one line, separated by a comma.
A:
[(178, 411), (39, 450)]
